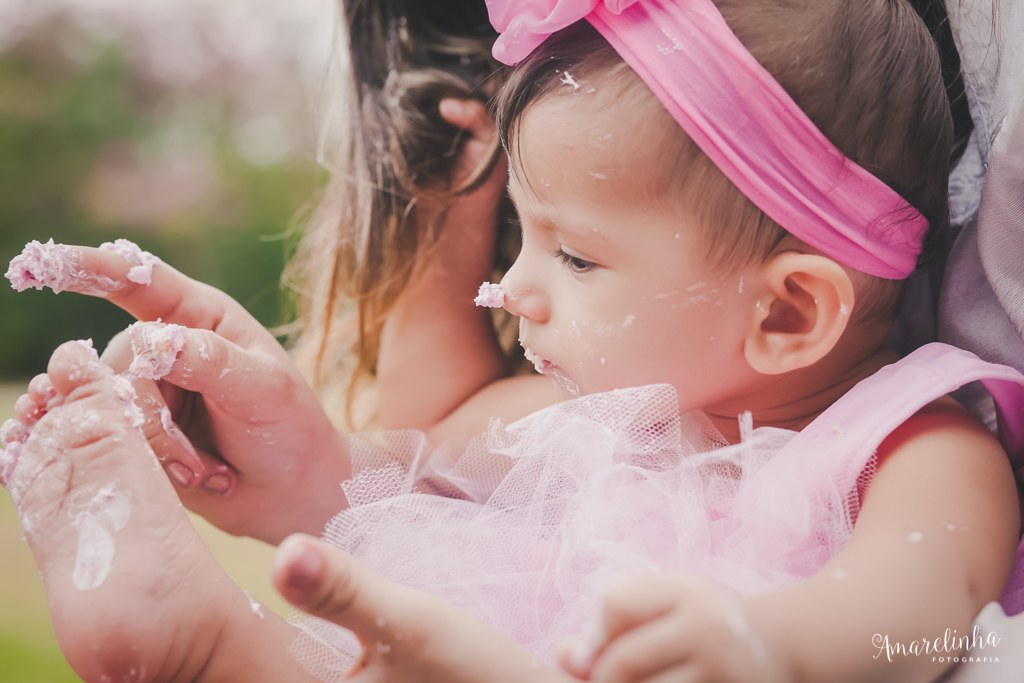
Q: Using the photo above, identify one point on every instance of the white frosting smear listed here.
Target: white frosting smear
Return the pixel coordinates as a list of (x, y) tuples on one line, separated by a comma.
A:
[(254, 605), (125, 390), (107, 513), (142, 261), (55, 266), (156, 346)]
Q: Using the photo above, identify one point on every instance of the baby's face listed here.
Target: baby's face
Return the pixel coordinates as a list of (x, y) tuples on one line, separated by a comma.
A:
[(612, 286)]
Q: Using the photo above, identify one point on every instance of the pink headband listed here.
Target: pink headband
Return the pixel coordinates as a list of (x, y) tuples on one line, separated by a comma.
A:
[(740, 116)]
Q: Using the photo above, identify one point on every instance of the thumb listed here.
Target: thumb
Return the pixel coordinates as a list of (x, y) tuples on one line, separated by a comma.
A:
[(330, 584), (242, 382)]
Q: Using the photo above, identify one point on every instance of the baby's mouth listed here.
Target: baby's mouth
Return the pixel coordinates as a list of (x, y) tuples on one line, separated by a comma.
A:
[(540, 364)]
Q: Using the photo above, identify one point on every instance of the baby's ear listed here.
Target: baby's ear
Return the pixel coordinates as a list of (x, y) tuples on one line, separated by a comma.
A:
[(804, 309)]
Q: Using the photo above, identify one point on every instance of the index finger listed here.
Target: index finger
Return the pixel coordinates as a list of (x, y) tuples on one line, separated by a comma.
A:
[(121, 275), (328, 583)]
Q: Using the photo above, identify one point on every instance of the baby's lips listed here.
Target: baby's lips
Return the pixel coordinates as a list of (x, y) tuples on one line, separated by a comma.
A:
[(540, 364)]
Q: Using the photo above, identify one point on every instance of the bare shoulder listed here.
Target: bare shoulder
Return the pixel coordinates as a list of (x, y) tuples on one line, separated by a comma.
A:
[(943, 428), (943, 476), (508, 399)]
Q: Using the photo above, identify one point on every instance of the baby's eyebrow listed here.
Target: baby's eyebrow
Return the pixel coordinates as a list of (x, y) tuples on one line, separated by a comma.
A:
[(545, 220)]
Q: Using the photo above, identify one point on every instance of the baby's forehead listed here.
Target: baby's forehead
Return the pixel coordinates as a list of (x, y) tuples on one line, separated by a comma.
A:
[(613, 134)]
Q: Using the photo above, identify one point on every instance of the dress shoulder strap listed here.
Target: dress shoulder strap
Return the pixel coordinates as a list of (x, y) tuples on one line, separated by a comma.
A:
[(840, 443), (845, 437)]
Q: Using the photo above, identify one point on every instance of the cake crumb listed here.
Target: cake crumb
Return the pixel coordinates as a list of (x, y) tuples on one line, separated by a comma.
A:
[(142, 262), (156, 347), (490, 295), (569, 80)]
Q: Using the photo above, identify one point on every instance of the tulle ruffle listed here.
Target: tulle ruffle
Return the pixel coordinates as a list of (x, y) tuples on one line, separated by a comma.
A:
[(533, 520)]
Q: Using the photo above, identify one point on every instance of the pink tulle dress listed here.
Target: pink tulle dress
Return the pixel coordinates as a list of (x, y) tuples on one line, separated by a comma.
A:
[(534, 519)]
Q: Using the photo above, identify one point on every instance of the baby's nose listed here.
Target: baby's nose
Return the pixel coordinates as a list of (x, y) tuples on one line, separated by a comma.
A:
[(524, 299)]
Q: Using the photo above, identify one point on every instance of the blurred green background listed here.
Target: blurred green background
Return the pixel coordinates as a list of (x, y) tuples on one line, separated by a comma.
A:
[(184, 127)]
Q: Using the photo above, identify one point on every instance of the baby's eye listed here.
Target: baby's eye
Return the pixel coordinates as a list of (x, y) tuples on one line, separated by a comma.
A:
[(574, 262)]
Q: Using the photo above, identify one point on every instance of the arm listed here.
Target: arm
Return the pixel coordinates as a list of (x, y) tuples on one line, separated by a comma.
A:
[(943, 469), (438, 348), (934, 542), (408, 636)]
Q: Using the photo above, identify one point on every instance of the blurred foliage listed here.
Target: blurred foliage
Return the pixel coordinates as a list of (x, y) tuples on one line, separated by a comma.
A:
[(61, 121), (25, 660)]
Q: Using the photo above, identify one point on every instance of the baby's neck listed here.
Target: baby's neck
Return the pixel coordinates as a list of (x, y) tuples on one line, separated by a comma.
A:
[(794, 400)]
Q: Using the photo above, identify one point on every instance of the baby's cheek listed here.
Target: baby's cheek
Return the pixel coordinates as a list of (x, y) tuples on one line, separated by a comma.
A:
[(606, 356)]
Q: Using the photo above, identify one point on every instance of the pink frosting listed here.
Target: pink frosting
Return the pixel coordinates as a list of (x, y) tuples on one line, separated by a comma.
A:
[(156, 347), (58, 267), (142, 261), (44, 265), (490, 295)]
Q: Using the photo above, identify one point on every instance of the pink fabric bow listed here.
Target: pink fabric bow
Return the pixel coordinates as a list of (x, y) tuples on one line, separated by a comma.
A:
[(525, 24)]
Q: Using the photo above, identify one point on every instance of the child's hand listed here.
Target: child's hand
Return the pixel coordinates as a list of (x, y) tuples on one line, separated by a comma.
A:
[(269, 461), (674, 628), (407, 635)]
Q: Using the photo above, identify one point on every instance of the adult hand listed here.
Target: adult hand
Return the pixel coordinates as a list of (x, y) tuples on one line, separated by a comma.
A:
[(266, 460)]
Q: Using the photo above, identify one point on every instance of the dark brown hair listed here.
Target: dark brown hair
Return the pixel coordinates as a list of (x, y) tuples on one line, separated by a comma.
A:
[(868, 75), (388, 150)]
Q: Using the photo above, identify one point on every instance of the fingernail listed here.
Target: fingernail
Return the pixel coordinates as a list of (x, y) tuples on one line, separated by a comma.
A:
[(180, 474), (306, 569), (218, 483), (451, 107)]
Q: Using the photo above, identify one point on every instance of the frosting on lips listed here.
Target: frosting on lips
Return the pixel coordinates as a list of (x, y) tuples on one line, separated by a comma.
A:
[(539, 364)]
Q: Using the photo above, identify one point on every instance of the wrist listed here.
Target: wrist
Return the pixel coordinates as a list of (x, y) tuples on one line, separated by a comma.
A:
[(772, 643), (319, 491)]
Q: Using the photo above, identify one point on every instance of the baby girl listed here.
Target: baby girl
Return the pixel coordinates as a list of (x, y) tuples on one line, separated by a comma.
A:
[(697, 214)]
